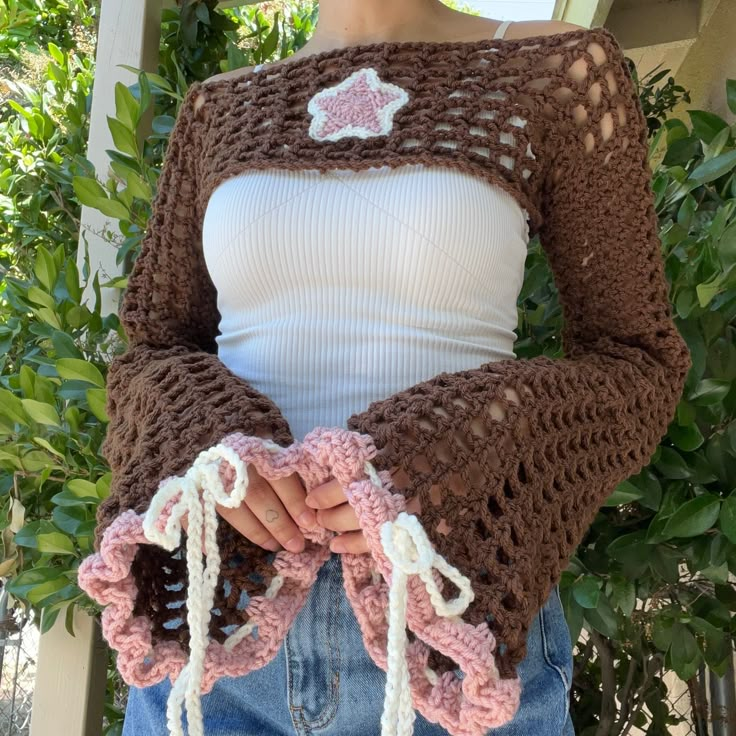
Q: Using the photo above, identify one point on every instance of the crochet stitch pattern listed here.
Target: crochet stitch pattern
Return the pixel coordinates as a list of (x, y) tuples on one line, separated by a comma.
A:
[(470, 706), (510, 461)]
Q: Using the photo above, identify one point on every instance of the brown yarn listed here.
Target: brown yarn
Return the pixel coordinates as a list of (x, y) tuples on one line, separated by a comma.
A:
[(510, 461)]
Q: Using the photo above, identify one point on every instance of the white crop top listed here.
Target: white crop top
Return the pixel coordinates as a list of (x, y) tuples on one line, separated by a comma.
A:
[(336, 289)]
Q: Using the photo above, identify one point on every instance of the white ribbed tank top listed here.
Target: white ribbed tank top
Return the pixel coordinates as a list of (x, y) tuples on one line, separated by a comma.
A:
[(336, 289)]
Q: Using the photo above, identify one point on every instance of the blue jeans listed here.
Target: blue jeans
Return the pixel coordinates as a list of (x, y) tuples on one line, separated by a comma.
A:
[(322, 681)]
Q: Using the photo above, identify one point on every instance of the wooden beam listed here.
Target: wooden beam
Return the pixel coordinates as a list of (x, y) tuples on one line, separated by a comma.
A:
[(643, 24), (129, 33), (71, 677), (586, 13), (70, 684)]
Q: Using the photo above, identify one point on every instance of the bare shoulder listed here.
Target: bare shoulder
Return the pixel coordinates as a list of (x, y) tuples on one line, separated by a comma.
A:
[(228, 75), (517, 29)]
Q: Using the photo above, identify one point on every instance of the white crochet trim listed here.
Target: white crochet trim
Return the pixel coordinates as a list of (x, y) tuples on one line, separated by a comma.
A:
[(202, 476), (385, 115), (407, 546)]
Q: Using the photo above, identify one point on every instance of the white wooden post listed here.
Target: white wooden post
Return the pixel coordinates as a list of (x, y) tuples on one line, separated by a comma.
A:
[(129, 33), (69, 691)]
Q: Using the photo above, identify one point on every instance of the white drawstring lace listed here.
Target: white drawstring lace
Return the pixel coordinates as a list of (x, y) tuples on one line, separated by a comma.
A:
[(407, 546), (201, 490)]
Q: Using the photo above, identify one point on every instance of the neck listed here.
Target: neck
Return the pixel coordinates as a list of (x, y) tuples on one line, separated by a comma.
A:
[(348, 22)]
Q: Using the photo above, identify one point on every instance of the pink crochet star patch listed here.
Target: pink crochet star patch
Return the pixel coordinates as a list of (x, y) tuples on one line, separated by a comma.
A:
[(361, 105)]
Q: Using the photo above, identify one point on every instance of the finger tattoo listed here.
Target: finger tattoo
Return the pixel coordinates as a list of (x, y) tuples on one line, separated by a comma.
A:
[(271, 515)]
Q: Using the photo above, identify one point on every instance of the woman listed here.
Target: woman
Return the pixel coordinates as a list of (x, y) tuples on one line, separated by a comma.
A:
[(324, 330)]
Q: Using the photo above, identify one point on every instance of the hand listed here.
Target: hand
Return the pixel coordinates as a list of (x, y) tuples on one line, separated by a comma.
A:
[(267, 515), (334, 512)]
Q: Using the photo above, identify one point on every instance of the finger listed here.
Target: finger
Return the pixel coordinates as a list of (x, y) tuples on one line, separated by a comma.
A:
[(326, 495), (292, 494), (339, 519), (248, 524), (262, 500), (354, 542)]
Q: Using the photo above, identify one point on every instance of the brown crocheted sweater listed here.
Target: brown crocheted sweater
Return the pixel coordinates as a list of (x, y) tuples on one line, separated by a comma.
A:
[(511, 460)]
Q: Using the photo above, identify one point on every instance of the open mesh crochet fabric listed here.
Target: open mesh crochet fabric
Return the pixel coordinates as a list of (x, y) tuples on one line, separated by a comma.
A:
[(509, 461)]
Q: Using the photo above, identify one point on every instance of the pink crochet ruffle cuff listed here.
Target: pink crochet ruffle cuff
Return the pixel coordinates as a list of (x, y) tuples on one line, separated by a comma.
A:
[(398, 584)]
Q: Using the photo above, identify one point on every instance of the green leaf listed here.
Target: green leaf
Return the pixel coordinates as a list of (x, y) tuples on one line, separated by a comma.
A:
[(48, 446), (158, 81), (603, 618), (629, 547), (623, 594), (710, 391), (55, 543), (69, 518), (687, 438), (624, 493), (45, 268), (587, 591), (716, 573), (56, 53), (88, 190), (96, 398), (39, 592), (672, 465), (694, 517), (39, 296), (727, 520), (126, 106), (684, 652), (112, 208), (574, 613), (662, 629), (124, 138), (41, 412), (715, 168), (28, 535), (67, 498), (48, 619), (12, 407), (665, 562), (80, 370), (731, 95), (29, 579), (82, 488), (706, 125)]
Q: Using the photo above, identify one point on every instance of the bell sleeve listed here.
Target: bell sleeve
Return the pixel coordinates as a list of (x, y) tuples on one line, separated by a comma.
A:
[(169, 398), (510, 461)]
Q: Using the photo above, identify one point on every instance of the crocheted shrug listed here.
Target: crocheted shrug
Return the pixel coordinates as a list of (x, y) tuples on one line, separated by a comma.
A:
[(510, 461)]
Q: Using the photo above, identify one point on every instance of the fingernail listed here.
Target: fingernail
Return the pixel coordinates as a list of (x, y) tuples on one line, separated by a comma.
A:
[(307, 518), (311, 501), (294, 544), (337, 545), (273, 545)]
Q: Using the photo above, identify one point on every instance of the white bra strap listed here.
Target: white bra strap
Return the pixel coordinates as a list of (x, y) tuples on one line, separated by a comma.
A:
[(501, 30)]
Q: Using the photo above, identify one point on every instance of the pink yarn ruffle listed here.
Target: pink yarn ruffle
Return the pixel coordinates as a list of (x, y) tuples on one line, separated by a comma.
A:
[(465, 706)]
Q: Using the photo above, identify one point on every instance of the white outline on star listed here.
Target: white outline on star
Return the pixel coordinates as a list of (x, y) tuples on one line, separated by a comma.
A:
[(385, 116)]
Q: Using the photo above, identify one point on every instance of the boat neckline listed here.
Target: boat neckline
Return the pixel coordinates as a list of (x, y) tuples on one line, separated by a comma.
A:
[(527, 42)]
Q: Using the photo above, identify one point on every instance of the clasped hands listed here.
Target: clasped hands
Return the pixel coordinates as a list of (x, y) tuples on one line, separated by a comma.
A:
[(271, 509)]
